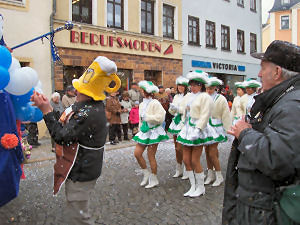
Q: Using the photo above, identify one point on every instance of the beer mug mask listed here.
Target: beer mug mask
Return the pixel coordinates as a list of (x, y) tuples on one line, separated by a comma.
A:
[(96, 79)]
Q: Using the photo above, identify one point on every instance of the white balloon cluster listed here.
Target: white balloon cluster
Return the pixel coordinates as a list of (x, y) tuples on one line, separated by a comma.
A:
[(22, 79)]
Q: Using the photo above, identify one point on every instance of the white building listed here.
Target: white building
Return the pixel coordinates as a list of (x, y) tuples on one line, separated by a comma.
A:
[(218, 37)]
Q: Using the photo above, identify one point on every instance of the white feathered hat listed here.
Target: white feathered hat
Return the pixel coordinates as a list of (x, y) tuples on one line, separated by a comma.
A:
[(148, 86), (198, 75), (182, 81), (213, 81)]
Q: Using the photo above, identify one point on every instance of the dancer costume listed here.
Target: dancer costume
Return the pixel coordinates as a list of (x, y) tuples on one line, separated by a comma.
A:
[(152, 115), (236, 110), (176, 124), (196, 110), (247, 102)]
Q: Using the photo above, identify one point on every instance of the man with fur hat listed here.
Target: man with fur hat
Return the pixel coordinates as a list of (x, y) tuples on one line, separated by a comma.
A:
[(265, 157), (80, 135)]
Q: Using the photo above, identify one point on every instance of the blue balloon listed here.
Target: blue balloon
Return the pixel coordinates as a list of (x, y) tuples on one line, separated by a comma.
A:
[(25, 112), (21, 100), (4, 77), (37, 116), (5, 57)]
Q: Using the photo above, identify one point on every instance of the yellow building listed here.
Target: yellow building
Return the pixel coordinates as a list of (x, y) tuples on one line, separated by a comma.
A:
[(143, 37), (283, 23)]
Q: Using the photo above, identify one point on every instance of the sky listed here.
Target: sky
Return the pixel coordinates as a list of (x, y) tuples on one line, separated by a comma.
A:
[(266, 6)]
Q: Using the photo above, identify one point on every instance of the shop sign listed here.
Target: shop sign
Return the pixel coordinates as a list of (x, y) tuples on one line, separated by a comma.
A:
[(115, 41), (218, 66)]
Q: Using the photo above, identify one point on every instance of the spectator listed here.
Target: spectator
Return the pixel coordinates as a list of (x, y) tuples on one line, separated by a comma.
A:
[(125, 109), (134, 93), (58, 109), (33, 134), (70, 97), (169, 116), (173, 91), (113, 111), (163, 98), (134, 118)]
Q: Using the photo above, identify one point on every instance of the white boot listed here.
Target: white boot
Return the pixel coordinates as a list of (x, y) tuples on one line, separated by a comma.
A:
[(219, 179), (179, 170), (192, 181), (152, 181), (184, 175), (200, 189), (146, 177), (211, 177)]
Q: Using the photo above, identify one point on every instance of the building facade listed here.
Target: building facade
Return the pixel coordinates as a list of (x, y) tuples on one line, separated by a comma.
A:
[(283, 23), (219, 37), (143, 37)]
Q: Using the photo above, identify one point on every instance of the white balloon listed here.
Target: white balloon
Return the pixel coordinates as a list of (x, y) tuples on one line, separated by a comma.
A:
[(32, 74), (20, 81), (39, 87), (15, 64)]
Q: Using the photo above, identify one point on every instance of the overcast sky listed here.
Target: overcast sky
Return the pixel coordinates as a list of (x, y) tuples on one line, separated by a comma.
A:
[(266, 6)]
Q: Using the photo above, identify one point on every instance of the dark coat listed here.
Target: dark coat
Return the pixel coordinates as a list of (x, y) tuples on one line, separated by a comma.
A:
[(87, 126), (264, 157), (113, 108)]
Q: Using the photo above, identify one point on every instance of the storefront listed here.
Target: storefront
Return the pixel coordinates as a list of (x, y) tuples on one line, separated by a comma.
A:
[(137, 57)]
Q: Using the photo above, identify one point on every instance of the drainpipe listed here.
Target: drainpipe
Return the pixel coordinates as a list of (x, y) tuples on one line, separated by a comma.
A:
[(51, 28)]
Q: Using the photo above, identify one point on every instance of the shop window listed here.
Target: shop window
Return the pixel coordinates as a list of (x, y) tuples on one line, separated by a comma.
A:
[(253, 43), (253, 5), (126, 78), (115, 14), (225, 37), (70, 73), (210, 34), (240, 41), (285, 22), (168, 21), (193, 30), (147, 16), (240, 3), (82, 11), (154, 76)]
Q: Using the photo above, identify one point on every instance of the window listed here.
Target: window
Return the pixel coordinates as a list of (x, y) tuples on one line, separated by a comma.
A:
[(285, 2), (147, 16), (285, 22), (253, 5), (225, 37), (193, 24), (240, 41), (210, 34), (168, 21), (115, 13), (82, 11), (253, 43), (240, 3)]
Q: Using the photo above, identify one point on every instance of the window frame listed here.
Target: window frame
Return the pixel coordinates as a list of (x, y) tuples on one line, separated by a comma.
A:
[(90, 9), (288, 16), (243, 41), (146, 21), (253, 9), (173, 21), (251, 42), (197, 41), (113, 2), (208, 24), (224, 27)]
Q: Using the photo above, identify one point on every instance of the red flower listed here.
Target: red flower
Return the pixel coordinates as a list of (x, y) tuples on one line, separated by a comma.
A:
[(9, 141)]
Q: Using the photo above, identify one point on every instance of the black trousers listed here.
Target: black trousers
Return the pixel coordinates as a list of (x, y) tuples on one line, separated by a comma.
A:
[(125, 130), (33, 133), (114, 131)]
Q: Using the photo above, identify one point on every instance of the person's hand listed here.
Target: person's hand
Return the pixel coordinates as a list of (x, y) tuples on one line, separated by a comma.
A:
[(42, 102), (239, 127)]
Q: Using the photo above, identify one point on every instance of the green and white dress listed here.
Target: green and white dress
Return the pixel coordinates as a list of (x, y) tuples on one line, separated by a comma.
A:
[(191, 134), (152, 115), (176, 124)]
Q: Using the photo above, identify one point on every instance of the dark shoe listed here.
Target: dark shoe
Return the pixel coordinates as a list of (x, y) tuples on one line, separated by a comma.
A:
[(113, 143), (35, 144)]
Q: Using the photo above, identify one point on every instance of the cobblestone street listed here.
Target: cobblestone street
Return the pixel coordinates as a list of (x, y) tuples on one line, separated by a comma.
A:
[(118, 198)]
